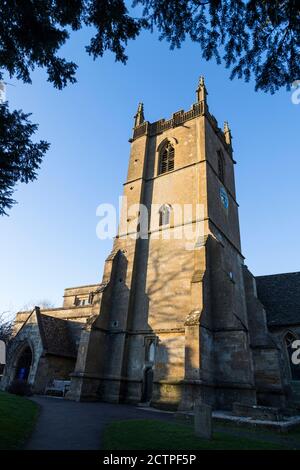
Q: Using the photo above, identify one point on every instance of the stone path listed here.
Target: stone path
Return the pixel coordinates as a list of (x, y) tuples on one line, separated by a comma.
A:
[(68, 425)]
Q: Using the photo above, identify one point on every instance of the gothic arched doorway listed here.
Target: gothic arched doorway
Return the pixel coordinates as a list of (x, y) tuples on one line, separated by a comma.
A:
[(147, 385), (23, 364)]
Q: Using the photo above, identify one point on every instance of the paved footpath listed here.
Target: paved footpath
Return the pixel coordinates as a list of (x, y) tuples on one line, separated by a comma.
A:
[(68, 425), (65, 425)]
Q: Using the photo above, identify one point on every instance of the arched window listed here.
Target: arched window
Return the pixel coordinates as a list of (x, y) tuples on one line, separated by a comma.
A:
[(166, 162), (151, 352), (150, 344), (221, 166), (164, 215), (294, 368)]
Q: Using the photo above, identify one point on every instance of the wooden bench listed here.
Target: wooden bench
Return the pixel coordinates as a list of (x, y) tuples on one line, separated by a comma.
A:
[(58, 387)]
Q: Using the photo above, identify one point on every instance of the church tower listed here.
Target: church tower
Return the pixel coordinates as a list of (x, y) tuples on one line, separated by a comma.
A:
[(170, 323)]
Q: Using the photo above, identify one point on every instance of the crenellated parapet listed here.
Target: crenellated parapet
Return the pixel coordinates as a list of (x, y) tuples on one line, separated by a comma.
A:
[(179, 118)]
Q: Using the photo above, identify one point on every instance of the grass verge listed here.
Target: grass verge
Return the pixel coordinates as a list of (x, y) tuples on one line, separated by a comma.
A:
[(17, 419), (158, 435)]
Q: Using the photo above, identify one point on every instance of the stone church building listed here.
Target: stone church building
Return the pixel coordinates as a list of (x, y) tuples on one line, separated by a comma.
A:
[(177, 316)]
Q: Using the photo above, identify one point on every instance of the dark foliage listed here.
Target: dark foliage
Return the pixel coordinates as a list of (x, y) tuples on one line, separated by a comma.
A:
[(20, 158), (19, 387), (6, 329), (32, 32), (255, 37)]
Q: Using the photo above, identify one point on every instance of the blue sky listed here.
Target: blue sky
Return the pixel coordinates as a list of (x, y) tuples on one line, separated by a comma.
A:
[(49, 240)]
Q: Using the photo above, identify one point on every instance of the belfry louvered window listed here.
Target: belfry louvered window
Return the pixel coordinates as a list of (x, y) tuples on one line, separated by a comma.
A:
[(167, 158)]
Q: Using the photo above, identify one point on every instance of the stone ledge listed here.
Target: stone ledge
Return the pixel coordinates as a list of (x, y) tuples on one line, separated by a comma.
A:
[(225, 417), (279, 426)]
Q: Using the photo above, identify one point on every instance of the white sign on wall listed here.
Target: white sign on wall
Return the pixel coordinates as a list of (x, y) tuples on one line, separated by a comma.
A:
[(2, 352)]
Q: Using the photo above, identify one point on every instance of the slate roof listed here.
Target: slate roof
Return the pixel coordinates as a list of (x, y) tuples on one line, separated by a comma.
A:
[(56, 336), (280, 295)]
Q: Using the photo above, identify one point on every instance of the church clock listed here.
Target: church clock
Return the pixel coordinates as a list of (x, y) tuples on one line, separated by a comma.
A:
[(224, 198)]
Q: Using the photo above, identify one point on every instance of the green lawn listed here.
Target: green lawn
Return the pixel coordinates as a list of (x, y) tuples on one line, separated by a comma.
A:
[(156, 435), (17, 419)]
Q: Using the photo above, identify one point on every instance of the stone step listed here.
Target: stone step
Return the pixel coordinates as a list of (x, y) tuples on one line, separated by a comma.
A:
[(145, 404)]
